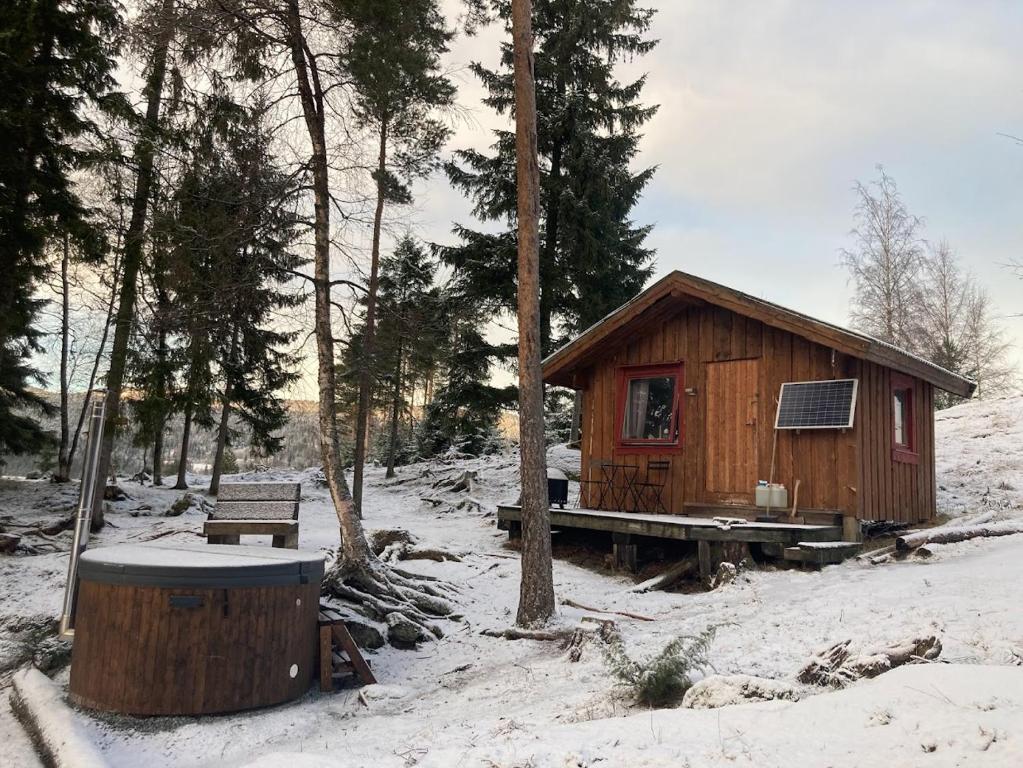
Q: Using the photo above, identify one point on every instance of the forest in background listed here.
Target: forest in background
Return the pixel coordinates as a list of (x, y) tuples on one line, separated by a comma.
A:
[(161, 233)]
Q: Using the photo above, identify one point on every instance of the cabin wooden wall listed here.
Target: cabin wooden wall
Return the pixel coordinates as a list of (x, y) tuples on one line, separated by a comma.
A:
[(827, 463), (894, 490)]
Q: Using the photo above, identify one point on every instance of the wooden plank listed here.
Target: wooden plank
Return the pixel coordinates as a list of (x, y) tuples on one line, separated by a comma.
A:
[(344, 639), (703, 552), (326, 668), (255, 510), (679, 528), (236, 527), (259, 492)]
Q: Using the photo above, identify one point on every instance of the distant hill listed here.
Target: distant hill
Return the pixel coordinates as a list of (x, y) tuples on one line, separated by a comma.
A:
[(301, 444)]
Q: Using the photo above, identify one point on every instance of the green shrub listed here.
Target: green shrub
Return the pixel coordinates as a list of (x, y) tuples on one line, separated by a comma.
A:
[(663, 679)]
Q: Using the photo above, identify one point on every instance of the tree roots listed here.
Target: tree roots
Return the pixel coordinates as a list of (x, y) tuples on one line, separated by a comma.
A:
[(408, 603)]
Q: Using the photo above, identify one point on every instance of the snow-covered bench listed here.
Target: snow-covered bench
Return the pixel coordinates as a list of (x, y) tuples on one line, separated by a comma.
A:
[(268, 509)]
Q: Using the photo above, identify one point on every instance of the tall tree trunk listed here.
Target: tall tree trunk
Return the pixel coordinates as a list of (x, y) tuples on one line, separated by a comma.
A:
[(355, 551), (63, 450), (161, 394), (369, 333), (218, 458), (186, 434), (575, 432), (536, 592), (162, 352), (392, 447), (133, 243), (158, 456), (225, 413), (550, 250)]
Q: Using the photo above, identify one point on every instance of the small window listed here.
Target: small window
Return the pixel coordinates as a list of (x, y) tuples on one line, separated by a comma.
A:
[(648, 404), (903, 438)]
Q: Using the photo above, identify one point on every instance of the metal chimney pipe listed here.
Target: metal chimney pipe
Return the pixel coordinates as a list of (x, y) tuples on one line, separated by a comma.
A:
[(83, 519)]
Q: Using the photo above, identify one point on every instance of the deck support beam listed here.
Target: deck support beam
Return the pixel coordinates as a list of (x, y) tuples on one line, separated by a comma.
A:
[(514, 530), (703, 551), (626, 552)]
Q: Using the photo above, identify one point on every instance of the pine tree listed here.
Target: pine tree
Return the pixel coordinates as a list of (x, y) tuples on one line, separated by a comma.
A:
[(592, 256), (398, 83), (536, 587), (56, 61)]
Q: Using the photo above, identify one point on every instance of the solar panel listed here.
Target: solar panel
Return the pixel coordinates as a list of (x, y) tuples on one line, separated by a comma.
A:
[(817, 404)]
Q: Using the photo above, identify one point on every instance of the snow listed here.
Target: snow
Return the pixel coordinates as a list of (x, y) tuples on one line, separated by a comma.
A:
[(182, 557), (40, 701), (473, 700), (977, 450), (725, 690)]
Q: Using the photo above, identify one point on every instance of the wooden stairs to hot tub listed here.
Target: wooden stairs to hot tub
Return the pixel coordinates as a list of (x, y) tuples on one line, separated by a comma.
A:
[(340, 657)]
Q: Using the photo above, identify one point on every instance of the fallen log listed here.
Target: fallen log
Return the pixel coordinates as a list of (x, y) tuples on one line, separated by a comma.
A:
[(957, 533), (61, 741), (669, 578), (573, 604), (836, 667), (517, 633)]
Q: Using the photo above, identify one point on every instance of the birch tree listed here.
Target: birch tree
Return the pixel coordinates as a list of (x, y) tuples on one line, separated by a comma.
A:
[(884, 261)]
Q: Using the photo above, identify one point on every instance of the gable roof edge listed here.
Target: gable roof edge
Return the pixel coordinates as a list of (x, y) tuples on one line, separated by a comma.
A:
[(850, 342)]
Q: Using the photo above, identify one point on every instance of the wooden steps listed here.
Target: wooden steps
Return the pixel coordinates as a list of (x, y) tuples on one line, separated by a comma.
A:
[(336, 640), (820, 553)]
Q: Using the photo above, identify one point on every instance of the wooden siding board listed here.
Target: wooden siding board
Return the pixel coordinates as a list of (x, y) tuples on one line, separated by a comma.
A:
[(852, 472)]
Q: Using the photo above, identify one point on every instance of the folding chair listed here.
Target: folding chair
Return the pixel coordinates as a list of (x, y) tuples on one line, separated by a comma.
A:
[(599, 485), (652, 486)]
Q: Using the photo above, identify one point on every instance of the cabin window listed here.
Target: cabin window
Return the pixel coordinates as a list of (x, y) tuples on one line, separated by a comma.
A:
[(903, 437), (648, 406)]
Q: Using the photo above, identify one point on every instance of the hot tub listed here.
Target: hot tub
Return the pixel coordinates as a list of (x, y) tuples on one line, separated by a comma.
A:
[(188, 630)]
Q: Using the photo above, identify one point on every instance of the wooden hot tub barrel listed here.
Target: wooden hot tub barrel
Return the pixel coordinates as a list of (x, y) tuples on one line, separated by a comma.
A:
[(189, 630)]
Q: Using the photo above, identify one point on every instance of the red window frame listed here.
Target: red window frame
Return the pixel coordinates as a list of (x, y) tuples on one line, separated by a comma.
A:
[(905, 452), (652, 445)]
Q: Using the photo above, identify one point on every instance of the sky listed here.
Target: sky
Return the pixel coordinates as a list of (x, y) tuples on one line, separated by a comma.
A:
[(769, 113)]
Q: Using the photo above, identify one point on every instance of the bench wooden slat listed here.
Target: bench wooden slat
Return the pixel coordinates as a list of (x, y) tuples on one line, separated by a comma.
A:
[(260, 492), (255, 527), (255, 510)]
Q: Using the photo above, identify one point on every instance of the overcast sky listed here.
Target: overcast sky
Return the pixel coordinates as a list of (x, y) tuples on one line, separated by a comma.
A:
[(770, 110)]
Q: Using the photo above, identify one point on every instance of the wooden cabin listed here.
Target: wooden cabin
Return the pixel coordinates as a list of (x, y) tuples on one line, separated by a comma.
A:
[(680, 388)]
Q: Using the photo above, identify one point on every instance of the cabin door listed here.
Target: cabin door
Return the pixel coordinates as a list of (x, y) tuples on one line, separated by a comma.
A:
[(731, 431)]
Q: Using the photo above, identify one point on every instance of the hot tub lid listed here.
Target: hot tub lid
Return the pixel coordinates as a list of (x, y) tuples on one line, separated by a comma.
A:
[(199, 565)]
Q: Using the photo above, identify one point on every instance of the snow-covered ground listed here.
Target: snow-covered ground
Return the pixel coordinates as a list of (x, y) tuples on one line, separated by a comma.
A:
[(472, 700)]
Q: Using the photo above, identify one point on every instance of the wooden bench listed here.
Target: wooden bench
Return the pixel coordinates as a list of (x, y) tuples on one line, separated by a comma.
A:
[(268, 509)]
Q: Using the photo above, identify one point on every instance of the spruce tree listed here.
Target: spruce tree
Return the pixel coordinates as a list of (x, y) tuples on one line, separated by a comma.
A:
[(463, 413), (592, 255), (229, 230), (56, 62), (411, 333)]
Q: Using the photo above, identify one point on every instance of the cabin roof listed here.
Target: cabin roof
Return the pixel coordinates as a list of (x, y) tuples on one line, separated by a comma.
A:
[(677, 290)]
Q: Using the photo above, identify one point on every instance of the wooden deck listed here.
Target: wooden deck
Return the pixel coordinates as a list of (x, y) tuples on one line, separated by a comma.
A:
[(709, 533), (678, 527)]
